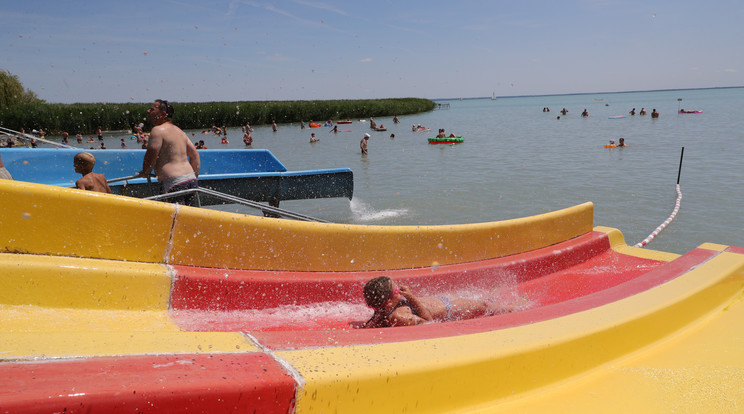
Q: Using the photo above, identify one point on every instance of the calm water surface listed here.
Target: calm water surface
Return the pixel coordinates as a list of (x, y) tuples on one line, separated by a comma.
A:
[(518, 161)]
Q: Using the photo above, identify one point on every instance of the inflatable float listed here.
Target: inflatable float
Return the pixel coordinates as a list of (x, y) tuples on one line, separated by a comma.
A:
[(346, 121), (136, 305), (145, 135), (447, 140), (315, 125), (683, 111)]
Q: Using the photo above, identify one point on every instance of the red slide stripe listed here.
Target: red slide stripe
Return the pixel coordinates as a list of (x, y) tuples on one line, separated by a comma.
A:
[(247, 382)]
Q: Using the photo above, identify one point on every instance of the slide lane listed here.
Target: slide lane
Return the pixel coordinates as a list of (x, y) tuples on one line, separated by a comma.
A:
[(212, 299), (70, 307), (439, 367)]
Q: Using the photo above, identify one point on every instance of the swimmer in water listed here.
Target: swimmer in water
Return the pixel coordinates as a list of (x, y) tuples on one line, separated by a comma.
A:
[(397, 306)]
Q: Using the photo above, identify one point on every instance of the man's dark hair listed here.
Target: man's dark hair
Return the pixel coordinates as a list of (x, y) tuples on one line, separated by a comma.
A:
[(164, 105)]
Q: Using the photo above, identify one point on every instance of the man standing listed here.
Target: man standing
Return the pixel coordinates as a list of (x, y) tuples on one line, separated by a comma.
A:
[(171, 154), (363, 144)]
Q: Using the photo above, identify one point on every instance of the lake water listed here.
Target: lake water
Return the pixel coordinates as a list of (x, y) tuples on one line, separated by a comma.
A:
[(518, 161)]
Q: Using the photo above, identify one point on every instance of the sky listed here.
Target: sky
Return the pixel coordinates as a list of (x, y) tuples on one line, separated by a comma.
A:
[(196, 51)]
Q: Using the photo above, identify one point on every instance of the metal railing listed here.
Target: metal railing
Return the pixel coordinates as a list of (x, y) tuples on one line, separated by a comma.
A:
[(26, 138), (267, 210)]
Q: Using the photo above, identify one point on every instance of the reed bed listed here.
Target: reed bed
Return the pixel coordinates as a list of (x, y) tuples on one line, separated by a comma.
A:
[(84, 118)]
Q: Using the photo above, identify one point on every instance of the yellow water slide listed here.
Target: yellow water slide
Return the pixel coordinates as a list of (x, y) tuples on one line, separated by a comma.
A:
[(87, 317)]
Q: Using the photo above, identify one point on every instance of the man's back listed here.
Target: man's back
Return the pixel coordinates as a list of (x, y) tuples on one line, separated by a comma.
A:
[(170, 152), (173, 150)]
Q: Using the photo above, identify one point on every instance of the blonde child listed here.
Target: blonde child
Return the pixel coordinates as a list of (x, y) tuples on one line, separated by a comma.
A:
[(84, 162)]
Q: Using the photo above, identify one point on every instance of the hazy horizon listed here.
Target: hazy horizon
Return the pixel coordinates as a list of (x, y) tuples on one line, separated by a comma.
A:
[(233, 50)]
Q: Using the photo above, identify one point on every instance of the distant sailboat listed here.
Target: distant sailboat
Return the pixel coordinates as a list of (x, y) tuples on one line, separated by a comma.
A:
[(493, 97)]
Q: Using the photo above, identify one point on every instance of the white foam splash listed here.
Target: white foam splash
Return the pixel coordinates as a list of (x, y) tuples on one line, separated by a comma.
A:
[(364, 212), (299, 317), (503, 290)]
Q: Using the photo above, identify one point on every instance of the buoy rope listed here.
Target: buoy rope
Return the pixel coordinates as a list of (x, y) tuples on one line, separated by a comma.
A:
[(658, 230)]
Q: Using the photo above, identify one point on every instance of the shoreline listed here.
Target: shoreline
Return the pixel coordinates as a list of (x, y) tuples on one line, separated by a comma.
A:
[(588, 93)]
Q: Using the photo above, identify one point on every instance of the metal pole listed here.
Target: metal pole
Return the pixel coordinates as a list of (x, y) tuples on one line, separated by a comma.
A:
[(27, 137), (237, 200)]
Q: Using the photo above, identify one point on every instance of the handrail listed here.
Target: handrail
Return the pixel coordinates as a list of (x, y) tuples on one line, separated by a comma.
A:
[(131, 177), (237, 200), (127, 178), (26, 137)]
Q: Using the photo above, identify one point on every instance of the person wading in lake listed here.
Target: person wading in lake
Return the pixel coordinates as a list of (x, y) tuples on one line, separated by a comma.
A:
[(171, 154), (363, 144)]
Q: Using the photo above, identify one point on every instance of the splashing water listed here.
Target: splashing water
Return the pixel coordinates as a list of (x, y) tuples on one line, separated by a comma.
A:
[(319, 315), (338, 314), (364, 212), (502, 290)]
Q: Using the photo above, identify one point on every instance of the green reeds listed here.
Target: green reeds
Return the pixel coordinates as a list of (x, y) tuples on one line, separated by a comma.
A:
[(85, 118)]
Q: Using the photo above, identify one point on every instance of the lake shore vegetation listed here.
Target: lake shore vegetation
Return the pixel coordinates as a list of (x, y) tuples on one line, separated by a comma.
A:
[(85, 118)]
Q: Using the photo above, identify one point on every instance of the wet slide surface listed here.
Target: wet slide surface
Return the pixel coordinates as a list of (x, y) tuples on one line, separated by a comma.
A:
[(274, 306)]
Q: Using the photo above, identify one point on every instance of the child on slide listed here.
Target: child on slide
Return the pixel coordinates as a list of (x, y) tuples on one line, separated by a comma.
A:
[(397, 306)]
